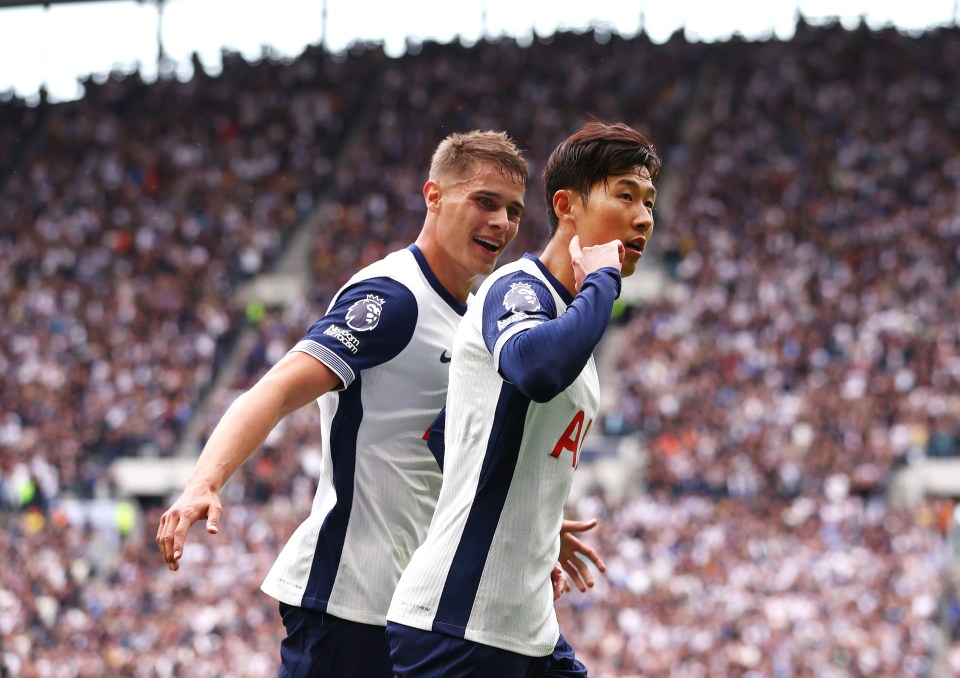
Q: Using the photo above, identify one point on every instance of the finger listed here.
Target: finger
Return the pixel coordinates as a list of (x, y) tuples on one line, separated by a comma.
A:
[(576, 252), (578, 525), (165, 537), (559, 580), (579, 572), (573, 575), (621, 251), (574, 545), (179, 538), (213, 518), (591, 554), (576, 261)]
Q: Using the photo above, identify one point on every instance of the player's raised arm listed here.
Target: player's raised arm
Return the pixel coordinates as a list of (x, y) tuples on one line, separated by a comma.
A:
[(545, 355), (293, 382)]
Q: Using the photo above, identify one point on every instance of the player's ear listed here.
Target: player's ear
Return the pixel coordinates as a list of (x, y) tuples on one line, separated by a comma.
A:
[(431, 195), (563, 201)]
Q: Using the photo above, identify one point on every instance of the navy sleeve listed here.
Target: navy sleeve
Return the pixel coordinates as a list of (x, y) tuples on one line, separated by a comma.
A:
[(514, 302), (545, 359), (368, 324)]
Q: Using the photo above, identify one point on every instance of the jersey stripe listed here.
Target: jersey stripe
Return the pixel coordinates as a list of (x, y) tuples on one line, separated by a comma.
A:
[(343, 436), (496, 475)]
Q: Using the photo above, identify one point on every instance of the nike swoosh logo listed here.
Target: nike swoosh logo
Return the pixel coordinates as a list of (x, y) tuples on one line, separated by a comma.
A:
[(444, 358)]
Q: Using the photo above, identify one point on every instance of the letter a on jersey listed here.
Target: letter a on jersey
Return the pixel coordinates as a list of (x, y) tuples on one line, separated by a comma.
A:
[(571, 439)]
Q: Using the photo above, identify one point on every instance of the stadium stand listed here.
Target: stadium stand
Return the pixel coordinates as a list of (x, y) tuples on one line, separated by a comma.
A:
[(802, 349), (127, 227)]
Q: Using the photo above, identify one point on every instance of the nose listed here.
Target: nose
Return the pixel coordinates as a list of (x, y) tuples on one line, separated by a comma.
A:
[(643, 222), (499, 219)]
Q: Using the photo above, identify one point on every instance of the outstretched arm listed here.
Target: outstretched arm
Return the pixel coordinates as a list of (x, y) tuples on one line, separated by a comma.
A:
[(293, 382)]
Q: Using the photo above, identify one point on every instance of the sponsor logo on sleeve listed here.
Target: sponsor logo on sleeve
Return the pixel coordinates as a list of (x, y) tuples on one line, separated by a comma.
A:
[(345, 337), (510, 319), (521, 298), (364, 314)]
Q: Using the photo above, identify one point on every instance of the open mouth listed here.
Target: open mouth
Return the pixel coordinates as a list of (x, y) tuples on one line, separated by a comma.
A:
[(490, 245), (636, 248)]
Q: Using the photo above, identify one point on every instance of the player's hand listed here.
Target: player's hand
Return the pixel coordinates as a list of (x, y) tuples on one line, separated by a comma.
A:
[(577, 569), (559, 581), (193, 504), (590, 259)]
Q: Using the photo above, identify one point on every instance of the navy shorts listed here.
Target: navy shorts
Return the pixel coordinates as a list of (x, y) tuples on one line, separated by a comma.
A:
[(428, 654), (319, 645)]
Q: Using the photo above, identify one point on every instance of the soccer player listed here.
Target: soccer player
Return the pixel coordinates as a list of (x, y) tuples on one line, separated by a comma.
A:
[(523, 395), (378, 363)]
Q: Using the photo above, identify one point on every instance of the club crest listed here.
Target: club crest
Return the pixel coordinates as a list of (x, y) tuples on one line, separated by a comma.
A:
[(364, 314), (521, 297)]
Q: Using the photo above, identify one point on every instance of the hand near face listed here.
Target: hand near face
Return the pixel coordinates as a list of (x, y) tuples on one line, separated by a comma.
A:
[(590, 259)]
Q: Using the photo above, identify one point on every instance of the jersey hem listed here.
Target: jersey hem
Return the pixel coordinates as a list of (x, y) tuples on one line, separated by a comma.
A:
[(509, 644), (339, 611), (475, 636)]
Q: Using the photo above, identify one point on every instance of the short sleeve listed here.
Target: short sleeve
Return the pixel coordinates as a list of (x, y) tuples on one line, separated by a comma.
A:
[(368, 324)]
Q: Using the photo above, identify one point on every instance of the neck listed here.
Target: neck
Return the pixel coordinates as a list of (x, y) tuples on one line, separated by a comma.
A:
[(451, 276), (556, 257)]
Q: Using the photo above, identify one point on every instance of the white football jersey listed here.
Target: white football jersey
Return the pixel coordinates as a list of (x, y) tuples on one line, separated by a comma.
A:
[(483, 573), (388, 335)]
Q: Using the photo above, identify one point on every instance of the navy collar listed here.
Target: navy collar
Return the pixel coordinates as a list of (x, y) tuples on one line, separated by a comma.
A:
[(434, 283), (557, 285)]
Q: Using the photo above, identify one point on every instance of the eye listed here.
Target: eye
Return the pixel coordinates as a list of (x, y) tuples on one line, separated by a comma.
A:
[(627, 197), (513, 213), (649, 205), (485, 202)]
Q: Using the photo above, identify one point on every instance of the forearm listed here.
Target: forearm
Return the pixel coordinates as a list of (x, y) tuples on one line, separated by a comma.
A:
[(243, 428)]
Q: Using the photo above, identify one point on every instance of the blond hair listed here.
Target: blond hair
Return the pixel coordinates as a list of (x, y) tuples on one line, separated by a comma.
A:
[(459, 153)]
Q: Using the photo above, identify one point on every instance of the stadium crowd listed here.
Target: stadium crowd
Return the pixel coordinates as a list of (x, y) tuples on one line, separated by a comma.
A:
[(805, 346), (127, 226), (810, 328), (703, 587)]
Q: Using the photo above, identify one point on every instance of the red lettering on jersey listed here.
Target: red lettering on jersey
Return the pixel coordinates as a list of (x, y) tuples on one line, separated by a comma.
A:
[(571, 440)]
